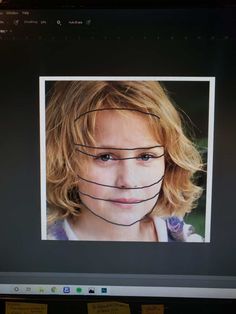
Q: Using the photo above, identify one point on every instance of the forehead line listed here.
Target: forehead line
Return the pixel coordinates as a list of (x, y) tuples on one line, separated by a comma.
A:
[(112, 109), (119, 148)]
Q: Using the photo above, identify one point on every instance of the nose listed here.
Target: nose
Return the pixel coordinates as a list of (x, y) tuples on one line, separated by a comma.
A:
[(126, 174)]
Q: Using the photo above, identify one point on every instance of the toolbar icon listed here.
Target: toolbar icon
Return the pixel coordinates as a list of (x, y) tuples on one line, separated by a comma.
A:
[(103, 290), (16, 22), (88, 22), (54, 289), (66, 289), (79, 290), (91, 290), (41, 290)]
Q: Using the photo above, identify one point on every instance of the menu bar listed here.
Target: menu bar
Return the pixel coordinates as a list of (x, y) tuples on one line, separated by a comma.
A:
[(27, 24), (116, 24)]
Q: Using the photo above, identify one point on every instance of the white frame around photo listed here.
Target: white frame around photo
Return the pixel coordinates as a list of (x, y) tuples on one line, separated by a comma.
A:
[(42, 103)]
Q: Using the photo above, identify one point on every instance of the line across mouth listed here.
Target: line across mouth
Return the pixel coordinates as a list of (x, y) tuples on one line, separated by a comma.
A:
[(126, 200)]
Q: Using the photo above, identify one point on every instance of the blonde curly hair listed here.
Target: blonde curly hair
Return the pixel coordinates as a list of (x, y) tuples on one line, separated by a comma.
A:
[(70, 99)]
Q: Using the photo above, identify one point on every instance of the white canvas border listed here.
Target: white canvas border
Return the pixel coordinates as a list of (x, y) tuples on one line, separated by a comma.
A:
[(44, 79)]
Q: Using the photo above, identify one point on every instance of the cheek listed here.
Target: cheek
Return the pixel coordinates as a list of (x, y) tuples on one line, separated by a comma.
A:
[(160, 167), (100, 175), (92, 192), (152, 173), (97, 177)]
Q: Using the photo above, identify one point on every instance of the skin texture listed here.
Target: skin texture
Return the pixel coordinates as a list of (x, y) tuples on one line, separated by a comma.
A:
[(125, 205)]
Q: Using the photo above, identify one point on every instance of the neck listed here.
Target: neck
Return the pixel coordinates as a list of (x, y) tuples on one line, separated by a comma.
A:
[(90, 227)]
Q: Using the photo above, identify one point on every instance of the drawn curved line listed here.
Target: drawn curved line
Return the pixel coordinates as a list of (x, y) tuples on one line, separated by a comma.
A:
[(108, 200), (124, 188), (118, 224), (115, 148), (126, 158), (106, 109)]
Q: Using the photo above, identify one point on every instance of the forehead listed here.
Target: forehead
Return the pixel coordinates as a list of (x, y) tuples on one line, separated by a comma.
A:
[(123, 128)]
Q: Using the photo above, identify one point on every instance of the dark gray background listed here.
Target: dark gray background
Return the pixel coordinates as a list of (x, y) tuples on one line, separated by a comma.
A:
[(21, 64)]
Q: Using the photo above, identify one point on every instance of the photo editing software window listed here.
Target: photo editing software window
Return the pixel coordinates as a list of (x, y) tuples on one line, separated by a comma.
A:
[(118, 152)]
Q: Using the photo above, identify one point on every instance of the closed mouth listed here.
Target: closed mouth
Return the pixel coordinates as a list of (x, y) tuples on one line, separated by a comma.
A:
[(126, 200)]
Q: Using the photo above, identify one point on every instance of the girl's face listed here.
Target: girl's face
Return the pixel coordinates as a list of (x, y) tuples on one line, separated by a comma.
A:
[(118, 190)]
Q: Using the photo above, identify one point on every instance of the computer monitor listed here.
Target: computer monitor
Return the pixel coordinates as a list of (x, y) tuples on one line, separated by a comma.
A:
[(117, 154)]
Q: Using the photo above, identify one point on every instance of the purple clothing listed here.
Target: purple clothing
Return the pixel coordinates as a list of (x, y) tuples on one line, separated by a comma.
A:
[(177, 230)]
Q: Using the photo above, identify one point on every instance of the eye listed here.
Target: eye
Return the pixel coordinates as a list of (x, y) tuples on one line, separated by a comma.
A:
[(145, 157), (104, 157)]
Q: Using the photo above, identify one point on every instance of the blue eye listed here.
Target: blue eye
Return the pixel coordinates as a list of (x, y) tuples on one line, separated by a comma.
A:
[(104, 157), (145, 157)]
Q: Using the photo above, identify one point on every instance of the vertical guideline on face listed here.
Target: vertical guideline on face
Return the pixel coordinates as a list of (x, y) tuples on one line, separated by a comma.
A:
[(197, 108)]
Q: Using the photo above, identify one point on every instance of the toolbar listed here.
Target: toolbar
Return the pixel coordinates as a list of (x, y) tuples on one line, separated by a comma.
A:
[(191, 292), (116, 24)]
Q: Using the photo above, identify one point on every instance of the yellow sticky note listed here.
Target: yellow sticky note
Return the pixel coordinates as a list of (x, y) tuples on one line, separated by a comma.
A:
[(108, 308), (153, 309), (25, 308)]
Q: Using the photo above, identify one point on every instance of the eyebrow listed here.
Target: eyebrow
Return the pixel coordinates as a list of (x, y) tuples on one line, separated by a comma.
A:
[(124, 158), (118, 148)]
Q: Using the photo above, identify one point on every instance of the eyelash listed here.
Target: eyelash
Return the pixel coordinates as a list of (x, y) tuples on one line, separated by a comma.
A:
[(107, 156), (145, 155), (99, 157)]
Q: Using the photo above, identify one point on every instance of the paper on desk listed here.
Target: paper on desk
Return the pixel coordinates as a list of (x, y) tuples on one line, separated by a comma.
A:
[(153, 309), (108, 308), (25, 308)]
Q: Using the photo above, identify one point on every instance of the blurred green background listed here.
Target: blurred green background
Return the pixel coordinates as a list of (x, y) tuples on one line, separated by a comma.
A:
[(191, 99)]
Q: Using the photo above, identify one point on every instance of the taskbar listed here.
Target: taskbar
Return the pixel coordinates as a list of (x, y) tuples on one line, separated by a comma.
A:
[(85, 290)]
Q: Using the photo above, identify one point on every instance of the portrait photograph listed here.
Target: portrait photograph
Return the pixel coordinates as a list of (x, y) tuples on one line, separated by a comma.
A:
[(126, 158)]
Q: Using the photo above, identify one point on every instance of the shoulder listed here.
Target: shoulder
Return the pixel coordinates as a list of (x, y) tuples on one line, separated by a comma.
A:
[(61, 230), (56, 230), (174, 229)]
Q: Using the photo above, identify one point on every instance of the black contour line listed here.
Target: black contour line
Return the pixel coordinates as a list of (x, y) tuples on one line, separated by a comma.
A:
[(105, 109), (117, 224), (119, 202), (126, 158), (118, 187), (116, 148)]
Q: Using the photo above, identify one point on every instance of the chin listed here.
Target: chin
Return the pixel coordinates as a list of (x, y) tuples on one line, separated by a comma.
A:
[(126, 221)]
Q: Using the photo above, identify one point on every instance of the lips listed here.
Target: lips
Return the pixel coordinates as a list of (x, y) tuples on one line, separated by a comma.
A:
[(125, 200)]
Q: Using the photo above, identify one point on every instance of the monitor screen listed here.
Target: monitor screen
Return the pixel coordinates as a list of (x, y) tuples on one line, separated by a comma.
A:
[(117, 152)]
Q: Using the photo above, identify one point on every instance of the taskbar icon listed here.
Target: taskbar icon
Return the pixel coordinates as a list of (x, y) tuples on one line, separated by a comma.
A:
[(56, 289)]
